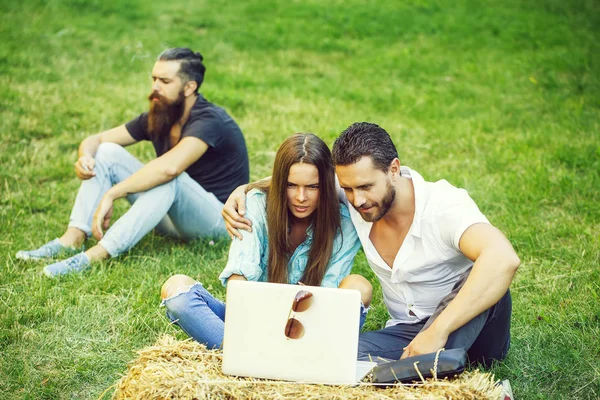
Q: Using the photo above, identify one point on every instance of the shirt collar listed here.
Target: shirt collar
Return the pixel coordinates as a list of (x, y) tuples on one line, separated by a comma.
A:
[(309, 232)]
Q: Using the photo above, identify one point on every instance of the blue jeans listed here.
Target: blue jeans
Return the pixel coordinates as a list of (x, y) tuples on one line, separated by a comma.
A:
[(199, 314), (202, 316), (180, 208), (486, 337)]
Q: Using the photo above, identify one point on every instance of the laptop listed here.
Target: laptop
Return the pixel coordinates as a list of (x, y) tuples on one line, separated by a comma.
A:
[(323, 350)]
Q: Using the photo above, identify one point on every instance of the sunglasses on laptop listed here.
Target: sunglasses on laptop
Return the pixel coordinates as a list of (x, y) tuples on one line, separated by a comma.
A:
[(302, 301)]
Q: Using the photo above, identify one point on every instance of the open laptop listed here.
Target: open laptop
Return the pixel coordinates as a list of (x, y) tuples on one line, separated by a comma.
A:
[(256, 323)]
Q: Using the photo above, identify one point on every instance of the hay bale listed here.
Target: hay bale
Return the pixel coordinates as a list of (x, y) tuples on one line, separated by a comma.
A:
[(173, 369)]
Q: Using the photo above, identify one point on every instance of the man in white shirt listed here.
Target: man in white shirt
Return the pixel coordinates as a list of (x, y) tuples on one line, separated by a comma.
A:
[(444, 269)]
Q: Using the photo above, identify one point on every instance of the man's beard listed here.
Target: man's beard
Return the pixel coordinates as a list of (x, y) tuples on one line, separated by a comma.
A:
[(163, 115), (383, 208)]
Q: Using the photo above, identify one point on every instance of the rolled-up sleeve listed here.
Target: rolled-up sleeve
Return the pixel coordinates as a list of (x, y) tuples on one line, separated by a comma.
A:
[(246, 256), (345, 247)]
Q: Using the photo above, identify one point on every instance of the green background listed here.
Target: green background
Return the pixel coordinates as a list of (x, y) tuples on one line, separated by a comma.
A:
[(499, 97)]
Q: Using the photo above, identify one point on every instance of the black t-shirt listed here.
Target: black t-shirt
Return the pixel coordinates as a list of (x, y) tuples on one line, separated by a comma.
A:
[(224, 166)]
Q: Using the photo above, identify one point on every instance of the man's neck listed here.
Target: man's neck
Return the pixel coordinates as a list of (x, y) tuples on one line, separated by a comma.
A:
[(402, 210), (388, 234), (189, 103)]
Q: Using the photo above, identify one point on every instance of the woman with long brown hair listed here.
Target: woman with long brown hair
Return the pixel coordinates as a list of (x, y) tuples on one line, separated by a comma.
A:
[(301, 234)]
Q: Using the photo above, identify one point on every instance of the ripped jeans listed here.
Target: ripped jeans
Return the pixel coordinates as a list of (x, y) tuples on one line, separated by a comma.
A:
[(202, 316)]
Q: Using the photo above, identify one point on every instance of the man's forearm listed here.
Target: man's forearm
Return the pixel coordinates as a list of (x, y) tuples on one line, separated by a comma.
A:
[(89, 146), (162, 169), (118, 135), (155, 173), (487, 283)]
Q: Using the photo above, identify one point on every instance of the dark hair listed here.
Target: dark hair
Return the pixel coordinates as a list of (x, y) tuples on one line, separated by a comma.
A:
[(191, 67), (364, 139), (310, 149)]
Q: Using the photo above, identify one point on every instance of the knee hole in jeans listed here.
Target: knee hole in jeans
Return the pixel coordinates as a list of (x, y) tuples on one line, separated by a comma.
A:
[(176, 285)]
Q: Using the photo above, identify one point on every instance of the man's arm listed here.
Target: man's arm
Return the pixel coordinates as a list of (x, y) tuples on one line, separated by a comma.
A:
[(162, 169), (158, 171), (84, 167), (495, 265), (235, 208)]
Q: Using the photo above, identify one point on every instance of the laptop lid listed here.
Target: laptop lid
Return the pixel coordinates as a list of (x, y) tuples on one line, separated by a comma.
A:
[(255, 343)]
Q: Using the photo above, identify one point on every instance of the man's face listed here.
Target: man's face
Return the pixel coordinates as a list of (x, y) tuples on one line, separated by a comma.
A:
[(166, 84), (368, 189), (167, 100)]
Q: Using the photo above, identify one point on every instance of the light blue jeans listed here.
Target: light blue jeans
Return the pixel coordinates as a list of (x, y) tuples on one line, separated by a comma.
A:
[(202, 316), (180, 208)]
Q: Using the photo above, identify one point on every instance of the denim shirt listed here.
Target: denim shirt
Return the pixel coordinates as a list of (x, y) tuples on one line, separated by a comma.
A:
[(249, 257)]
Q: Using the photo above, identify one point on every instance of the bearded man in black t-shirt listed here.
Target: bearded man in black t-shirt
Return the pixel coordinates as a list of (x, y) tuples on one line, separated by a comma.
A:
[(201, 157)]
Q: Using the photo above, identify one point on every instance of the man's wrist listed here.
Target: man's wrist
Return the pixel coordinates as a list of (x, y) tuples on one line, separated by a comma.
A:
[(441, 326), (114, 193)]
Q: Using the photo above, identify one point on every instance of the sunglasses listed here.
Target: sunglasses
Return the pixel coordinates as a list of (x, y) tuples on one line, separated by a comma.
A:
[(302, 301)]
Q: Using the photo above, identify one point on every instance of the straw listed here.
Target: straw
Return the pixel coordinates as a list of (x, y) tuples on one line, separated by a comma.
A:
[(173, 369)]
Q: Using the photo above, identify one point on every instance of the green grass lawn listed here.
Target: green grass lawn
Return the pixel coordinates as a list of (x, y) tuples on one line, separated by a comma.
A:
[(499, 97)]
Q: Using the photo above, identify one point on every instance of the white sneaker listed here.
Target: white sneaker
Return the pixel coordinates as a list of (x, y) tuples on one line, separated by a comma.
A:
[(49, 250)]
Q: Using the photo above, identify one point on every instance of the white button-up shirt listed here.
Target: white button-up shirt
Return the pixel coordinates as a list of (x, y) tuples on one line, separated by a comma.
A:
[(429, 261)]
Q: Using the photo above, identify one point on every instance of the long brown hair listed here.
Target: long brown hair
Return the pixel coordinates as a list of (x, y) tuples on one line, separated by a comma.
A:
[(302, 148)]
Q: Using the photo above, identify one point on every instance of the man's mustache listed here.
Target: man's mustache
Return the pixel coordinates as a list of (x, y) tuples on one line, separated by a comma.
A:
[(156, 95), (366, 206)]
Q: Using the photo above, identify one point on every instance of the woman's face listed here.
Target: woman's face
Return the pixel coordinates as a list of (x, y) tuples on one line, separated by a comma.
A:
[(303, 190)]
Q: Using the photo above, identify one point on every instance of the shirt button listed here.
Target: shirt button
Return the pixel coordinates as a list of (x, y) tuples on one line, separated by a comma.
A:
[(410, 311)]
